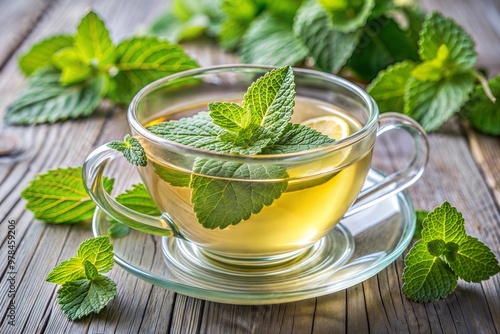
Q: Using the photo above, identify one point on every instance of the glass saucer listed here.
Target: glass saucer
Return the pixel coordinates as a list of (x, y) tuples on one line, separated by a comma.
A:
[(355, 250)]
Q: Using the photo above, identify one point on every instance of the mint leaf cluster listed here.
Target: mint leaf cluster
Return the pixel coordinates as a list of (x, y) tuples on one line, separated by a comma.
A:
[(445, 253), (59, 197), (361, 34), (68, 75), (85, 289), (437, 87), (260, 125)]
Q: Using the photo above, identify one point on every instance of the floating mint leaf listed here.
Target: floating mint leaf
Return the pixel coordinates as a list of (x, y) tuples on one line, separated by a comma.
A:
[(473, 261), (427, 277), (444, 223), (388, 88), (437, 31), (131, 149), (266, 40), (483, 114), (92, 41), (59, 196), (137, 69), (46, 100), (230, 116), (432, 103), (40, 54), (82, 297), (220, 202), (329, 48)]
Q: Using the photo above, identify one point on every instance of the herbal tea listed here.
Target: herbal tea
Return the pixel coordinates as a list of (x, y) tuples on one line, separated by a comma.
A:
[(300, 210)]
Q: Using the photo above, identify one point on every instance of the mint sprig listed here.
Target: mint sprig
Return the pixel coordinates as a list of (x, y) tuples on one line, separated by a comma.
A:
[(444, 254), (260, 125), (85, 289), (70, 75)]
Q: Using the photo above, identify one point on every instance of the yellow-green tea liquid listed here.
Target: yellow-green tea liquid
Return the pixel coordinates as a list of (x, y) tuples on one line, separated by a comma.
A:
[(299, 217)]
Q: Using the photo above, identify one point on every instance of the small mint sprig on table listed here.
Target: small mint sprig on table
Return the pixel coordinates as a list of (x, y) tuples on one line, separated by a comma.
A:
[(444, 254), (85, 289), (69, 75), (260, 125)]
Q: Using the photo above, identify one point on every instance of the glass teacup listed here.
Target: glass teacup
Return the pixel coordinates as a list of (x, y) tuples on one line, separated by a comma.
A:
[(320, 186)]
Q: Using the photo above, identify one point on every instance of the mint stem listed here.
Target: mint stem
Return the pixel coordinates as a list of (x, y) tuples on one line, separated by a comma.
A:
[(484, 84)]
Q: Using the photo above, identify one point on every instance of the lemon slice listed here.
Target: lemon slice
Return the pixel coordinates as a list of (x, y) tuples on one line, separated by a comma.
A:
[(331, 126)]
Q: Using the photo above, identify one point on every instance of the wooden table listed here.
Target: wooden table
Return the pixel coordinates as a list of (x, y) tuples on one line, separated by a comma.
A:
[(464, 169)]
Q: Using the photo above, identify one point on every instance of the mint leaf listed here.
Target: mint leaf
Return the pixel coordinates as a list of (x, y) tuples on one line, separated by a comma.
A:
[(427, 277), (73, 67), (46, 100), (267, 39), (132, 150), (270, 100), (82, 297), (231, 33), (483, 114), (434, 69), (40, 54), (238, 16), (444, 223), (329, 48), (175, 30), (383, 43), (92, 41), (97, 251), (432, 103), (219, 202), (67, 271), (437, 31), (117, 229), (348, 16), (196, 131), (298, 138), (230, 116), (473, 261), (59, 196), (136, 69), (388, 88), (90, 270)]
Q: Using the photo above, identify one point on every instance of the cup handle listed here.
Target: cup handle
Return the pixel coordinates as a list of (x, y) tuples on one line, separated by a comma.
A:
[(93, 170), (402, 179)]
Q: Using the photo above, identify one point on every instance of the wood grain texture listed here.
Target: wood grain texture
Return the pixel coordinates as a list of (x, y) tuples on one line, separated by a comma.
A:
[(463, 169)]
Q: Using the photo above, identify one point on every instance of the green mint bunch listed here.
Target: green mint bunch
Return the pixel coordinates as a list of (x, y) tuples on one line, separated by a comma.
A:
[(437, 87), (361, 33), (85, 289), (260, 125), (68, 75), (445, 253), (59, 197)]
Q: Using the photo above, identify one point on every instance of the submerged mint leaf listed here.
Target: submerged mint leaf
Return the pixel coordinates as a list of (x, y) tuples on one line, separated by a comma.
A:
[(220, 202), (46, 100), (267, 39), (329, 48), (483, 114), (388, 88), (40, 54), (427, 277), (82, 297), (474, 261), (132, 150)]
